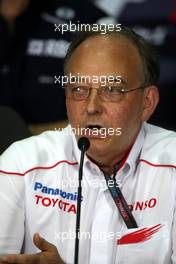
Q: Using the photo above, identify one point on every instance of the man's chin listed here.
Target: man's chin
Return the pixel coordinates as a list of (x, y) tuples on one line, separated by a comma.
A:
[(98, 146)]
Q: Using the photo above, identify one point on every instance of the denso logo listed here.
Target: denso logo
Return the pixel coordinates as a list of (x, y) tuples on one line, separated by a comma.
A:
[(142, 205)]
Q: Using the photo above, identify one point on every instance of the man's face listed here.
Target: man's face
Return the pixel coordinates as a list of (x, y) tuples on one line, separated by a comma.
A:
[(110, 56)]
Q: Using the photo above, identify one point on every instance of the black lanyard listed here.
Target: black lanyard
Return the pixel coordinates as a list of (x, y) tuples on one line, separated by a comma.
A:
[(120, 202)]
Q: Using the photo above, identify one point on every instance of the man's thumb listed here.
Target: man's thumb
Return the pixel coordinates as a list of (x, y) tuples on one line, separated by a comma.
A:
[(41, 243)]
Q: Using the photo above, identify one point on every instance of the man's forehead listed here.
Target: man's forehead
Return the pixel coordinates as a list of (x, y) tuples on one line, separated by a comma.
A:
[(105, 47), (107, 41), (106, 54)]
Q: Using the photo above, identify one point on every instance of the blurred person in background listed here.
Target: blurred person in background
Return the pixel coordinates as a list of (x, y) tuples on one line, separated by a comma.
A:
[(10, 9), (31, 55)]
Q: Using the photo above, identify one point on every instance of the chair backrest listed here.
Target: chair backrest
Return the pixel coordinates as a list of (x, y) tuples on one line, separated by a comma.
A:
[(12, 128)]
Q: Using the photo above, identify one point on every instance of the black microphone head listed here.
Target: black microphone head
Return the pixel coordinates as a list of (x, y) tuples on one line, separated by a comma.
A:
[(83, 143)]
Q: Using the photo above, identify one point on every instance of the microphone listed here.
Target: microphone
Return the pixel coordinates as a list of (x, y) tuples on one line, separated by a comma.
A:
[(83, 145)]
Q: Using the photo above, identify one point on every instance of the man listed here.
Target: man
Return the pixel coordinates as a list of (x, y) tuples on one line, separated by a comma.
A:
[(39, 175)]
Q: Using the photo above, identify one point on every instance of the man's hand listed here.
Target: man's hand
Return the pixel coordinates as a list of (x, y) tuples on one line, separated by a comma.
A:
[(49, 254)]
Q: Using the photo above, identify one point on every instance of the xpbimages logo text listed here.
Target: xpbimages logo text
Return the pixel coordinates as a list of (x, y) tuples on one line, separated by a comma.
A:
[(98, 236), (84, 79), (72, 27), (103, 132)]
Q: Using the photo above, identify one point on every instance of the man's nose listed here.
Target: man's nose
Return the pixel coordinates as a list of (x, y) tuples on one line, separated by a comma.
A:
[(94, 103)]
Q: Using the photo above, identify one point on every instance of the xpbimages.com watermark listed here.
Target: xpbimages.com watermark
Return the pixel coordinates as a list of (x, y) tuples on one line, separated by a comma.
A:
[(72, 27), (99, 236), (92, 183), (84, 79), (102, 132)]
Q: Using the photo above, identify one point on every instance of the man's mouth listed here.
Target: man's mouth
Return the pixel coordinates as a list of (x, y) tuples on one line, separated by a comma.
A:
[(94, 127), (94, 131)]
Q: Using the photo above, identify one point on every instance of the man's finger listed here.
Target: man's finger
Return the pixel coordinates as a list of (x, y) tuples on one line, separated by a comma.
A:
[(43, 244)]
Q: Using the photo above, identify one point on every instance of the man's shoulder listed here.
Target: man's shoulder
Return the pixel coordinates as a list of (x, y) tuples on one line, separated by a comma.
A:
[(45, 149), (159, 134), (59, 135), (151, 128), (57, 140), (159, 145)]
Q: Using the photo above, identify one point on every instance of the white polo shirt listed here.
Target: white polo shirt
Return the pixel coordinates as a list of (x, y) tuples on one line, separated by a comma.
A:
[(38, 193)]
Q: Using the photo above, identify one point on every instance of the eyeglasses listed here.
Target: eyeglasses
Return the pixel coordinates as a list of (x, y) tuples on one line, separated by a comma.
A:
[(107, 93)]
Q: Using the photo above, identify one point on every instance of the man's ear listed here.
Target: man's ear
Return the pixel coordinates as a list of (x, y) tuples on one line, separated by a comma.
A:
[(150, 101)]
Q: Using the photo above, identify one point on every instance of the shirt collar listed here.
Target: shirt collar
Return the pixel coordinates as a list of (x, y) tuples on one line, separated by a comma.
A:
[(133, 156)]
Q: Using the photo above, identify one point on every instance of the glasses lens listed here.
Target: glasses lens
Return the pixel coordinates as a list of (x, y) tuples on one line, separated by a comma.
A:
[(111, 94), (77, 93)]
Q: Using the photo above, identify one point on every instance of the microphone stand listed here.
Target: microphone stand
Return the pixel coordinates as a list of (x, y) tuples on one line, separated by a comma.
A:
[(83, 147)]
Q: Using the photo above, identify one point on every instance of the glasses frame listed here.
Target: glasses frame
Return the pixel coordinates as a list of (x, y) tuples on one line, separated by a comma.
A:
[(100, 91)]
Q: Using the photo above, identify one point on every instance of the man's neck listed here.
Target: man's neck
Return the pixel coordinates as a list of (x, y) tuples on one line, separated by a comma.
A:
[(108, 164), (107, 168)]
